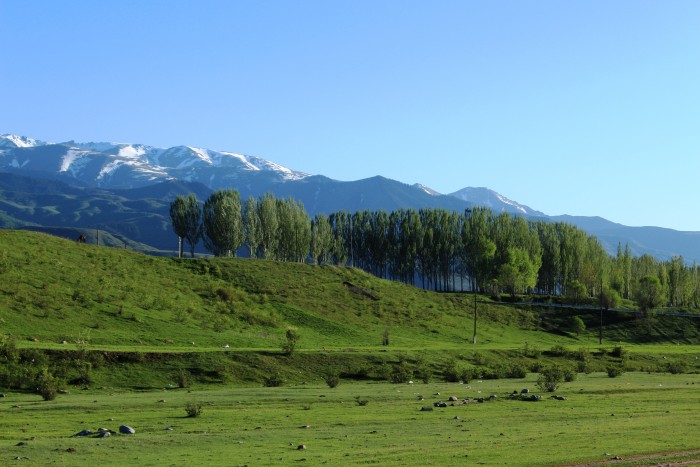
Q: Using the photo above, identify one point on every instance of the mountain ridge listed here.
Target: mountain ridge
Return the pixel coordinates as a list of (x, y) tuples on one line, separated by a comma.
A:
[(140, 180)]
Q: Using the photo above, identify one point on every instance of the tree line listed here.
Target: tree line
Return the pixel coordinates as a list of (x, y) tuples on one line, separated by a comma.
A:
[(475, 250)]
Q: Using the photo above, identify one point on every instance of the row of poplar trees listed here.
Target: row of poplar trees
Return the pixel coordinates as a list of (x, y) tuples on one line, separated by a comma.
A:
[(434, 248)]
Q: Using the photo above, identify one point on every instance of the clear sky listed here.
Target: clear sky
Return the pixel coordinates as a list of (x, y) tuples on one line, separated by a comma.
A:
[(571, 107)]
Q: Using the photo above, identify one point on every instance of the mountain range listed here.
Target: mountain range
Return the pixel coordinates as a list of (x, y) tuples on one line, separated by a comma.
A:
[(126, 189)]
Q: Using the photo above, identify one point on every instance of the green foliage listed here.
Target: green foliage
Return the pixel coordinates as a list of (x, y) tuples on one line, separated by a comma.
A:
[(222, 223), (401, 373), (292, 336), (183, 377), (550, 378), (332, 378), (618, 351), (650, 293), (193, 409), (47, 385), (577, 325), (185, 216), (614, 371), (677, 367), (274, 380)]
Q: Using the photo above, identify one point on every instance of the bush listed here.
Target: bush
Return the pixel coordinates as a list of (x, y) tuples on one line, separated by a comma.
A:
[(47, 385), (402, 373), (193, 409), (273, 381), (550, 378), (614, 371), (361, 402), (618, 351), (677, 367), (517, 370), (332, 379), (184, 379), (569, 375), (292, 339)]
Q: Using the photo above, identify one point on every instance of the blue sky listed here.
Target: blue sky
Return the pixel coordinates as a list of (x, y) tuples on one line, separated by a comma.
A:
[(571, 107)]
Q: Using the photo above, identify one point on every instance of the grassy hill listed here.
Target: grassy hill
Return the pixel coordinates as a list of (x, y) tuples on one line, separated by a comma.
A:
[(118, 306)]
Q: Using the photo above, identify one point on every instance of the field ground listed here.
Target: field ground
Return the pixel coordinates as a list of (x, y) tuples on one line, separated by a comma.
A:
[(632, 415)]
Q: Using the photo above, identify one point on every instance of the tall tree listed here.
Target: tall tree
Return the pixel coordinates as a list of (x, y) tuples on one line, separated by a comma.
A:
[(321, 239), (269, 224), (223, 223), (251, 222), (186, 218)]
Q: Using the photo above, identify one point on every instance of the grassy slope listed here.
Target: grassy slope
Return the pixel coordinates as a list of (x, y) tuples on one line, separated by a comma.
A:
[(54, 290)]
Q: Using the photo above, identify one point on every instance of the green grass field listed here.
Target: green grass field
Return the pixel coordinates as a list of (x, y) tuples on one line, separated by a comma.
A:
[(121, 329), (635, 414)]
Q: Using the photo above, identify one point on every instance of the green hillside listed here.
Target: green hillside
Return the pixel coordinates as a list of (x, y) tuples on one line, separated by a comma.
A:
[(67, 297)]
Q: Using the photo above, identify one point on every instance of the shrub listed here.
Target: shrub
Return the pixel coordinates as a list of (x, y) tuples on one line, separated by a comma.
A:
[(332, 378), (677, 367), (273, 381), (466, 375), (618, 351), (47, 385), (184, 379), (361, 402), (517, 370), (193, 409), (559, 351), (402, 373), (569, 375), (290, 345), (614, 371), (550, 378)]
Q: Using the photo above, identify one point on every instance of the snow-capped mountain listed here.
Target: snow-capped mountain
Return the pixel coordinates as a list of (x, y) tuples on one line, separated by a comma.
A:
[(14, 141), (497, 203), (118, 165)]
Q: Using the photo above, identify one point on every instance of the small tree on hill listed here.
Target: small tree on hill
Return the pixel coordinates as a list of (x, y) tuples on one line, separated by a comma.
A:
[(292, 338)]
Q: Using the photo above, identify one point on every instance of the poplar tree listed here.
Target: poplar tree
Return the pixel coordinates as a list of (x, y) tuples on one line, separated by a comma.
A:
[(185, 216), (223, 223)]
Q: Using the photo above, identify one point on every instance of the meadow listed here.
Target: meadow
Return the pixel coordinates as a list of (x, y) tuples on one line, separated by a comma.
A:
[(363, 423), (132, 339)]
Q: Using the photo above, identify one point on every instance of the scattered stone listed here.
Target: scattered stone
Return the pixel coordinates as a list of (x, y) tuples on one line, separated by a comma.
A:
[(440, 404), (126, 430), (62, 391), (455, 417), (525, 391), (103, 434), (169, 428), (453, 399), (83, 433), (301, 446), (225, 346), (162, 400), (21, 443), (70, 450), (426, 409)]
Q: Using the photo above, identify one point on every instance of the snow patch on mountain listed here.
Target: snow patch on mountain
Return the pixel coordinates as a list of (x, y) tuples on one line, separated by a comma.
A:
[(481, 196), (68, 162), (427, 189), (15, 141)]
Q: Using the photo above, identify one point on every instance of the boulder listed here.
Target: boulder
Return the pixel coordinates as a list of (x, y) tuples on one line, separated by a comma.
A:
[(126, 430)]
